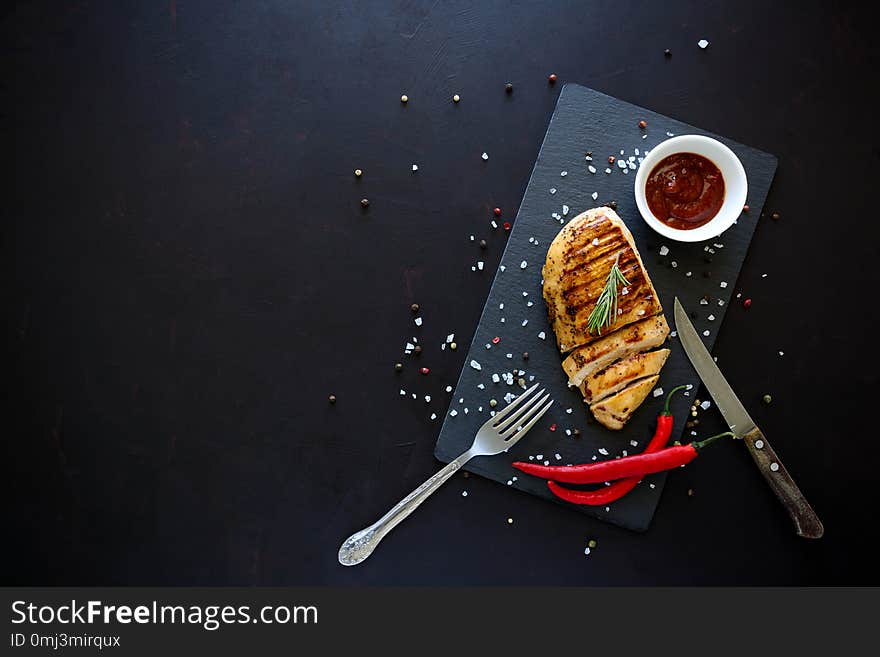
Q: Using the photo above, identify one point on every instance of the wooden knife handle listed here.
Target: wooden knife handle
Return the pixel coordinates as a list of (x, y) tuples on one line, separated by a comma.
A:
[(805, 519)]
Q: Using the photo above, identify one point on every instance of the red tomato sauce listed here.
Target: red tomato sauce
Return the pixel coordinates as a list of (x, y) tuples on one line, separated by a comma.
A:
[(685, 190)]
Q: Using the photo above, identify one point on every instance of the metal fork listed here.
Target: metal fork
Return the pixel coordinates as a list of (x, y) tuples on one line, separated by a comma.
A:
[(497, 435)]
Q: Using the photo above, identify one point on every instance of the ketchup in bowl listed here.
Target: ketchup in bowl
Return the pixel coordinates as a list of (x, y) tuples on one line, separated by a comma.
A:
[(685, 190)]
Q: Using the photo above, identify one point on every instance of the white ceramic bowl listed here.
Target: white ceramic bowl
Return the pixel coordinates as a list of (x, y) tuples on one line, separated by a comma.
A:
[(735, 186)]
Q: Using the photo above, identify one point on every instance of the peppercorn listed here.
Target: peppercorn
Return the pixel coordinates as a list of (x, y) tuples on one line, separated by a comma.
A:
[(747, 303), (453, 346), (482, 244), (456, 98), (506, 225), (576, 433), (667, 52), (767, 399), (508, 88), (690, 492), (414, 307), (404, 98), (592, 544), (525, 355), (552, 78), (493, 403), (417, 349), (774, 216), (707, 274), (745, 208), (398, 367), (425, 370), (465, 474), (643, 124), (332, 399), (365, 202), (613, 205), (497, 212), (610, 159), (358, 173)]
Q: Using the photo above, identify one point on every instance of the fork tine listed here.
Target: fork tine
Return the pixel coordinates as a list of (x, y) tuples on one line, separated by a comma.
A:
[(513, 435), (501, 414), (519, 413)]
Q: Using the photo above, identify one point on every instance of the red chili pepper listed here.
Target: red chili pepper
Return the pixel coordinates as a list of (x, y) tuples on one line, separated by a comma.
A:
[(629, 466), (618, 489)]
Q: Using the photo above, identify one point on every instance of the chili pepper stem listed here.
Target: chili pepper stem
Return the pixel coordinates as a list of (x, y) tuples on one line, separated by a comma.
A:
[(669, 398), (711, 439)]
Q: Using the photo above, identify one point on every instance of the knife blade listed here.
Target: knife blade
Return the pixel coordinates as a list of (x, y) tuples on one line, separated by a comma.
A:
[(806, 521)]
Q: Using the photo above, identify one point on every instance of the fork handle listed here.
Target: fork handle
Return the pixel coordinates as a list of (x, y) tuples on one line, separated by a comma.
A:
[(360, 545)]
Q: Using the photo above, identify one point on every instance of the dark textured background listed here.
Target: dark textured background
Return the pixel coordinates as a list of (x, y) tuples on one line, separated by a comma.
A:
[(191, 275)]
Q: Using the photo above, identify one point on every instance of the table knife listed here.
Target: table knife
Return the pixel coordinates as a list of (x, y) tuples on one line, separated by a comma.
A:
[(741, 424)]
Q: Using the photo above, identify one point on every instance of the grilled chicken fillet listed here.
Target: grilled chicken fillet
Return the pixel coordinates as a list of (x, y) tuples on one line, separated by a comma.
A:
[(614, 369)]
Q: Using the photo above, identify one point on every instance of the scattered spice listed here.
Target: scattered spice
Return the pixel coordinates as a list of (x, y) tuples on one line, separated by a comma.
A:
[(453, 346), (365, 202), (493, 403), (508, 88), (552, 78), (398, 367), (497, 212), (690, 492), (745, 208), (576, 433), (417, 349), (425, 370), (496, 340), (404, 98), (456, 98), (506, 225), (747, 303), (332, 399), (414, 307), (667, 52), (775, 216), (358, 173), (767, 399), (553, 427), (525, 355), (483, 244), (610, 159), (643, 124), (592, 544)]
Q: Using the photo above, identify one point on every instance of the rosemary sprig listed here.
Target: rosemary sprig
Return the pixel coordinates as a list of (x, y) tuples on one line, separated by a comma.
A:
[(605, 312)]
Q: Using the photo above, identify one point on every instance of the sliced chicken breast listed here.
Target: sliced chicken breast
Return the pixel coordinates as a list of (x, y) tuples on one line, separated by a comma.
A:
[(614, 411), (591, 359), (576, 269), (622, 373)]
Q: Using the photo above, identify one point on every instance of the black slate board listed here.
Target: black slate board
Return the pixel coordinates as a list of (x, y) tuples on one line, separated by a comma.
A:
[(586, 120)]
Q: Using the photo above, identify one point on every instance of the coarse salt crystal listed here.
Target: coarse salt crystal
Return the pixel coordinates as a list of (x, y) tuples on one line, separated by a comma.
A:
[(711, 318), (602, 451), (705, 405), (664, 250), (481, 386), (595, 195), (781, 353), (524, 322), (433, 416), (495, 378), (448, 388), (607, 170), (415, 167), (563, 173), (403, 392), (464, 493), (453, 413), (723, 284), (568, 410), (485, 156), (493, 224), (476, 365), (595, 241), (418, 321), (542, 335), (480, 265), (702, 43), (523, 264), (706, 333), (428, 399), (658, 392), (450, 337), (564, 210), (552, 190), (591, 169)]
